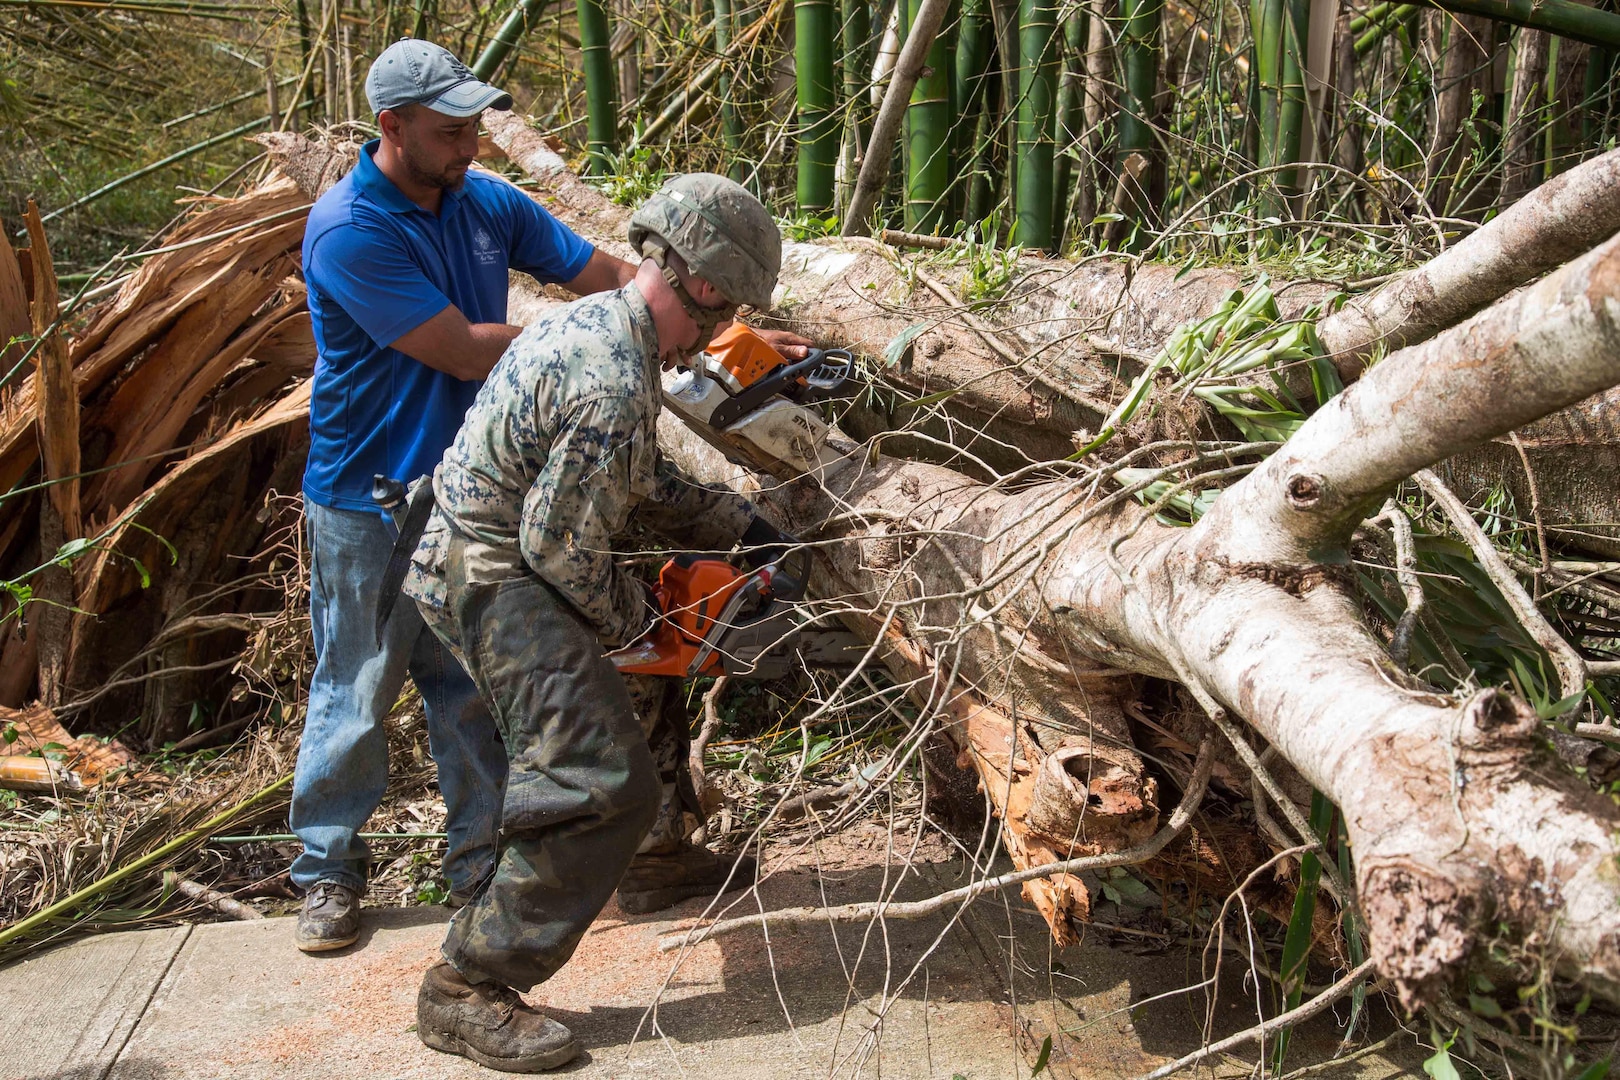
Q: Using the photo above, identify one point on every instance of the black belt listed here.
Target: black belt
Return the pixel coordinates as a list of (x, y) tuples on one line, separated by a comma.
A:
[(411, 528)]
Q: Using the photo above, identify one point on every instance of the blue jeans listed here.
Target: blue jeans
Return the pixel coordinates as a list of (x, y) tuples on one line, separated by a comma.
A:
[(342, 768)]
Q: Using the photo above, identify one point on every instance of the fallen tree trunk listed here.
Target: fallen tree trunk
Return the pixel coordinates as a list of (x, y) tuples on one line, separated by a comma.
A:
[(1459, 825)]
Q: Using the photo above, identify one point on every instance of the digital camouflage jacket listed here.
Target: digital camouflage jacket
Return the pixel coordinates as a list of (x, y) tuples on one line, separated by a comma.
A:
[(558, 450)]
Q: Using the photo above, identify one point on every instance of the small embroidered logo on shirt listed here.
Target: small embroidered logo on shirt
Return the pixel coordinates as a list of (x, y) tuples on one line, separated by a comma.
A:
[(487, 252)]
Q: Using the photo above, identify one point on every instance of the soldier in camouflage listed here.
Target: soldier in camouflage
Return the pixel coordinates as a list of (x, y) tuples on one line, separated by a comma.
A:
[(516, 572)]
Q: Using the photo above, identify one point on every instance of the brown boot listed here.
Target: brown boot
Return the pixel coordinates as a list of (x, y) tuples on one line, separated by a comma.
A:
[(659, 879), (488, 1023)]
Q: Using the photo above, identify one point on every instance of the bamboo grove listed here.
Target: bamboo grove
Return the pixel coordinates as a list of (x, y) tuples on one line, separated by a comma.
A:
[(1358, 134)]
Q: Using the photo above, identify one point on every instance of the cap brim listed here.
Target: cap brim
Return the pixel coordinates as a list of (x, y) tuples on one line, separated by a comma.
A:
[(469, 99)]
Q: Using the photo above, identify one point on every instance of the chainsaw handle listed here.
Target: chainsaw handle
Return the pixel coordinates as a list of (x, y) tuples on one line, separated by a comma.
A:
[(824, 372), (819, 375)]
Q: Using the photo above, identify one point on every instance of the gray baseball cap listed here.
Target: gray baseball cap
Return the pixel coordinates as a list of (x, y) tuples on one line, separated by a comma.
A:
[(412, 72)]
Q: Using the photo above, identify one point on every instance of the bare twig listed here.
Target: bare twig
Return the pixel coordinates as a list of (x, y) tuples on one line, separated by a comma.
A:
[(1489, 1032), (1269, 1027), (918, 909), (1535, 509), (1572, 674), (211, 898), (1400, 528), (711, 724)]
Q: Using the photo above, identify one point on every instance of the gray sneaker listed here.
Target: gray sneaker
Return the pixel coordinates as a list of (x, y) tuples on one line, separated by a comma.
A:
[(330, 918), (488, 1023)]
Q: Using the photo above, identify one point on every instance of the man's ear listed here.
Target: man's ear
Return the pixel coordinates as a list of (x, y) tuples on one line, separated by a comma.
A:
[(391, 122), (704, 293)]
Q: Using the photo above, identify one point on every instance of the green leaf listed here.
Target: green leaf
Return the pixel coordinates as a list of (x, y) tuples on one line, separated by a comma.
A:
[(1484, 1006), (1128, 887), (72, 549), (1598, 1070), (1554, 709), (1042, 1058), (1440, 1066), (10, 734), (902, 341), (140, 568), (818, 750)]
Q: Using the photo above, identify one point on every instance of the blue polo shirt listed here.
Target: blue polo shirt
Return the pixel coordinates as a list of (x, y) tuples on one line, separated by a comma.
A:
[(377, 267)]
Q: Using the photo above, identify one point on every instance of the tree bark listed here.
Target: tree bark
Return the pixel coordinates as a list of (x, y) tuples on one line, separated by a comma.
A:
[(1060, 316), (1526, 102), (1461, 64), (1458, 822)]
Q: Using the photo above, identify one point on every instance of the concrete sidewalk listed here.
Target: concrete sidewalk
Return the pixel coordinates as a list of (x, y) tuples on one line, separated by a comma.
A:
[(975, 1000)]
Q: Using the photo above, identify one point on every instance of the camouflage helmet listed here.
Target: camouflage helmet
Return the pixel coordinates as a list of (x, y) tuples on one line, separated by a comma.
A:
[(725, 235)]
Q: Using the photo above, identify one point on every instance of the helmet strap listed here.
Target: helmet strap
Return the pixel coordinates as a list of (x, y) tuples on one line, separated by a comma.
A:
[(708, 319)]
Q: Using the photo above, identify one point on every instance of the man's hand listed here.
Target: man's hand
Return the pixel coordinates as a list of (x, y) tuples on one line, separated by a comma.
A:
[(449, 343), (789, 346)]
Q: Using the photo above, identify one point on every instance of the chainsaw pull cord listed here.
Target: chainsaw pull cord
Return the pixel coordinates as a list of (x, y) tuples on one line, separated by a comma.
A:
[(708, 320)]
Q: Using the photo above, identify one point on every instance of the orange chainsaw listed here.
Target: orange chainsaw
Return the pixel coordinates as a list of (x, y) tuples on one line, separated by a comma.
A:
[(719, 619), (716, 617)]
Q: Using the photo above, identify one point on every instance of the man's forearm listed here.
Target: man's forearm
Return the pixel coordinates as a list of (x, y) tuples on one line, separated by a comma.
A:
[(449, 343), (489, 342), (602, 273)]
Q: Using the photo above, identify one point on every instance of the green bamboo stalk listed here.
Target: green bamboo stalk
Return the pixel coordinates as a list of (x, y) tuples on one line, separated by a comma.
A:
[(511, 32), (1291, 104), (730, 125), (876, 163), (1377, 31), (815, 34), (1564, 18), (1139, 49), (1037, 96), (1549, 152), (1599, 65), (1070, 119), (147, 170), (970, 72), (857, 64), (23, 927), (927, 133), (981, 193), (1374, 16), (601, 88), (1266, 20)]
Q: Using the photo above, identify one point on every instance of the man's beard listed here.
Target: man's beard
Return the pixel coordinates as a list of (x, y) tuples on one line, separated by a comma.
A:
[(447, 178)]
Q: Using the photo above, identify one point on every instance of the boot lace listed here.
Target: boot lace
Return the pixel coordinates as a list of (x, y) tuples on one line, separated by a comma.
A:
[(504, 998)]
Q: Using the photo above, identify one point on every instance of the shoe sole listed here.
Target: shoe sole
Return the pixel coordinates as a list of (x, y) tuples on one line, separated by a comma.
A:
[(551, 1059), (314, 945)]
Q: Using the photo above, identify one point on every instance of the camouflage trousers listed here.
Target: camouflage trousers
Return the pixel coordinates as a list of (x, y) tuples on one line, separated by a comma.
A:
[(583, 791)]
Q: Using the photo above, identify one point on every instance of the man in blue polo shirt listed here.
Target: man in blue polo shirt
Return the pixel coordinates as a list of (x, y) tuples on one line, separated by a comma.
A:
[(406, 261)]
